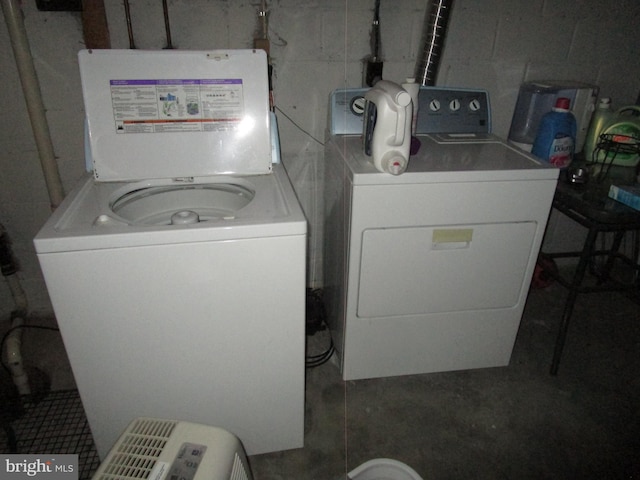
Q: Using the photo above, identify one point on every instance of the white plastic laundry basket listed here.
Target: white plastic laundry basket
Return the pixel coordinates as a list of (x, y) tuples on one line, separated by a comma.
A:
[(383, 469)]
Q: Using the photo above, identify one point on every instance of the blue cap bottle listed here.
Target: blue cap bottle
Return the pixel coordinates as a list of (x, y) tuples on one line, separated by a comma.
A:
[(556, 137)]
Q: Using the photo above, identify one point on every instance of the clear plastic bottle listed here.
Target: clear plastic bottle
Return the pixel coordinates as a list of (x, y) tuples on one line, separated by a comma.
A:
[(602, 116), (556, 137), (413, 89)]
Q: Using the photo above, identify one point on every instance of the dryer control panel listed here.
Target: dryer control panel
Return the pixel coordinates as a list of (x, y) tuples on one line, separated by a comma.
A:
[(440, 110)]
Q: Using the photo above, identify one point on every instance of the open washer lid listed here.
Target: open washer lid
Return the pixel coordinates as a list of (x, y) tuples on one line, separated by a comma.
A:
[(172, 114)]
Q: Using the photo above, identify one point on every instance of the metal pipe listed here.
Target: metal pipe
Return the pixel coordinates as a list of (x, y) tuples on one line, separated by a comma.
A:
[(433, 37), (127, 14), (31, 88), (167, 26)]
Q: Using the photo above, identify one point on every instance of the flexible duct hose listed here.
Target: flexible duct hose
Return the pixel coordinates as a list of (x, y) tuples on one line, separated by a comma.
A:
[(433, 37)]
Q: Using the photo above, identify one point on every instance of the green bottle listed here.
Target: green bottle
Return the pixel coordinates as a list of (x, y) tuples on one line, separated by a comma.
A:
[(601, 117)]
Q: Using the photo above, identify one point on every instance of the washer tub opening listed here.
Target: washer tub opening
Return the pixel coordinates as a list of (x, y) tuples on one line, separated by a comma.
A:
[(157, 205)]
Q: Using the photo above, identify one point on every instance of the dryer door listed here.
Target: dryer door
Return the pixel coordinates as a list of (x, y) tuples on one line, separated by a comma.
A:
[(420, 270)]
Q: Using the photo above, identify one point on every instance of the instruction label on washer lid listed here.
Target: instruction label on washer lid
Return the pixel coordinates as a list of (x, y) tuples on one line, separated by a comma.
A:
[(177, 105)]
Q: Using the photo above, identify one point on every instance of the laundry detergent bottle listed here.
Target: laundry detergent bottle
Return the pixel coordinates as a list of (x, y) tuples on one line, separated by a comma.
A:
[(556, 137)]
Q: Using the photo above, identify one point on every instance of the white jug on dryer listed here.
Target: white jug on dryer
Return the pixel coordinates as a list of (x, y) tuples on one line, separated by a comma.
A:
[(387, 127)]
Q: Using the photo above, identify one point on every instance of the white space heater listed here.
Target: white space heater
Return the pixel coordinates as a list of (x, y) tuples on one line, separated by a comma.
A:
[(157, 449)]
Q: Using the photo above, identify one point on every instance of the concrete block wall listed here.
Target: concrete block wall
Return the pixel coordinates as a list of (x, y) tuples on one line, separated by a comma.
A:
[(316, 47)]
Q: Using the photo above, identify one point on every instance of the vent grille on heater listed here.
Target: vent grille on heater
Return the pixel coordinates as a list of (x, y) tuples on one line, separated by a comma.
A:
[(138, 451), (238, 472), (158, 449)]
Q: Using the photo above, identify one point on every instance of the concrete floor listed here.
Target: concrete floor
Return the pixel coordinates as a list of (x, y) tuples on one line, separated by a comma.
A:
[(515, 422)]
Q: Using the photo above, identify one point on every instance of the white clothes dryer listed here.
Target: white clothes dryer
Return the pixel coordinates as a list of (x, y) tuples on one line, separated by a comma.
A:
[(429, 270), (177, 270)]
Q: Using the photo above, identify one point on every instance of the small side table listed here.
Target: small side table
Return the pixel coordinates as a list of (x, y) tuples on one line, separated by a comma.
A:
[(590, 206)]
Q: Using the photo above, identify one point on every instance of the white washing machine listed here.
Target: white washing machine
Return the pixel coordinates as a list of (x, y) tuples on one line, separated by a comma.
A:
[(177, 271), (429, 270)]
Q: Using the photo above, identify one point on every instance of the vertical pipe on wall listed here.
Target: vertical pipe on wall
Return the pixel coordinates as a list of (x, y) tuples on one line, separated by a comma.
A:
[(433, 37), (31, 88)]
